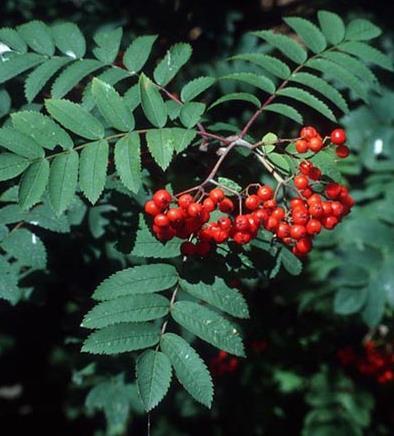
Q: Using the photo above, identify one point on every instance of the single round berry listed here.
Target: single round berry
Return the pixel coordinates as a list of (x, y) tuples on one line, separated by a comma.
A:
[(265, 192), (175, 215), (308, 132), (342, 151), (297, 231), (151, 208), (185, 200), (278, 213), (316, 210), (283, 230), (315, 144), (226, 205), (188, 248), (194, 210), (313, 227), (329, 222), (241, 223), (338, 136), (161, 220), (315, 173), (272, 224), (300, 215), (333, 190), (301, 146), (162, 198), (242, 238), (209, 205), (304, 246), (297, 202), (225, 223), (216, 195), (301, 181), (305, 167), (252, 202)]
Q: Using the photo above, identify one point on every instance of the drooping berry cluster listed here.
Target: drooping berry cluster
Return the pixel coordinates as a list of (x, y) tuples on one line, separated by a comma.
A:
[(295, 223), (374, 361), (311, 140)]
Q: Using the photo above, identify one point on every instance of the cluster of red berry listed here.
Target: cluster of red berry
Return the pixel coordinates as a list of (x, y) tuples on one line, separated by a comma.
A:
[(311, 140), (223, 363), (373, 362), (295, 225)]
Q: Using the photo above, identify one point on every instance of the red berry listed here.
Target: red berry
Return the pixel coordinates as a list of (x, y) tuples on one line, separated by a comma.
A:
[(316, 210), (315, 198), (297, 202), (220, 235), (151, 208), (329, 222), (252, 202), (226, 205), (283, 230), (209, 205), (242, 238), (338, 136), (301, 181), (225, 223), (315, 144), (270, 204), (342, 151), (305, 167), (315, 173), (162, 198), (308, 132), (194, 210), (301, 146), (333, 190), (241, 223), (297, 231), (278, 213), (304, 246), (265, 192), (300, 215), (161, 220), (313, 227), (185, 200), (272, 224), (327, 209), (307, 193), (337, 209), (188, 248), (216, 195), (175, 215)]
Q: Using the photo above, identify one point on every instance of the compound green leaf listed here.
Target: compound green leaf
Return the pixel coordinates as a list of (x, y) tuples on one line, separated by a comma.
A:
[(128, 161), (153, 373), (132, 308), (63, 177), (69, 40), (237, 96), (273, 65), (12, 39), (75, 118), (33, 183), (173, 61), (138, 52), (19, 143), (161, 145), (112, 106), (332, 26), (360, 29), (284, 44), (195, 87), (367, 53), (286, 111), (122, 338), (189, 368), (38, 36), (253, 79), (108, 44), (310, 34), (143, 279), (16, 64), (11, 165), (93, 169), (209, 326), (152, 102), (9, 290), (191, 113)]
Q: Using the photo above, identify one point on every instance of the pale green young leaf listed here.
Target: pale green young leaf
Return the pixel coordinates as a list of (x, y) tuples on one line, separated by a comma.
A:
[(132, 308), (367, 53), (219, 295), (237, 96), (69, 40), (40, 76), (13, 40), (42, 129), (138, 52), (189, 368), (360, 29), (153, 374), (38, 37), (310, 34), (128, 161), (146, 245), (63, 177), (73, 75), (336, 72), (15, 64), (112, 106), (11, 165), (161, 145), (209, 326), (26, 247), (195, 87), (288, 46), (93, 169), (143, 279), (191, 113), (229, 184), (108, 42), (152, 102), (19, 143), (332, 26), (173, 61), (122, 338), (273, 65), (308, 99), (322, 87), (253, 79), (286, 111), (33, 183), (75, 118)]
